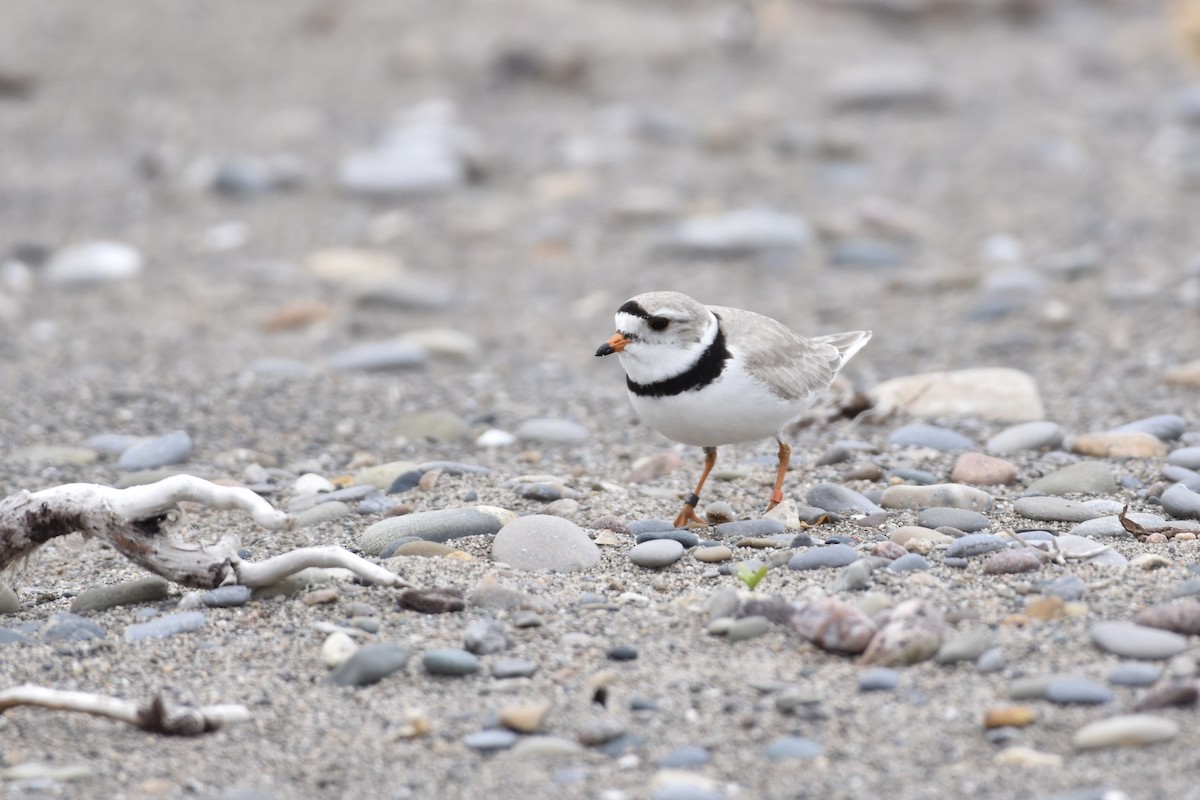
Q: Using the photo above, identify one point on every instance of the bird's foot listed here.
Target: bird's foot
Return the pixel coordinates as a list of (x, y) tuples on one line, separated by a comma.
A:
[(776, 499), (688, 516)]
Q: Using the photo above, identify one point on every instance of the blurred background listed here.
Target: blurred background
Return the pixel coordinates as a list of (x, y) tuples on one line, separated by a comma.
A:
[(208, 203)]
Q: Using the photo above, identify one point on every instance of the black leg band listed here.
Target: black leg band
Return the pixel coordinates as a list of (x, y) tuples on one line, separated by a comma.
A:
[(692, 500)]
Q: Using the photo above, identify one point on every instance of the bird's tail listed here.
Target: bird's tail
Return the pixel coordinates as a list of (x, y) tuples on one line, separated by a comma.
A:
[(847, 344)]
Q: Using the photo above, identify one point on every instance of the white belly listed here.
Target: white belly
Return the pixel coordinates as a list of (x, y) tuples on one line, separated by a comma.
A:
[(729, 410)]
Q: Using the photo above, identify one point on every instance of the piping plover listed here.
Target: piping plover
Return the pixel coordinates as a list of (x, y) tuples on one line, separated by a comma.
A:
[(710, 375)]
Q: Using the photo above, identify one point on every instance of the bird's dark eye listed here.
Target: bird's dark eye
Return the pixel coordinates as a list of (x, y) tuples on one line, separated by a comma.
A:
[(659, 323)]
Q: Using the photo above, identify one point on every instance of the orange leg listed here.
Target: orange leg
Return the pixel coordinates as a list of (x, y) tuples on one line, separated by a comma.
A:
[(688, 514), (785, 457)]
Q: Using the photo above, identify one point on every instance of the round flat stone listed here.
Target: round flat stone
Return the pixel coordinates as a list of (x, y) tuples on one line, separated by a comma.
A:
[(1167, 427), (491, 740), (656, 554), (1181, 502), (1129, 640), (833, 555), (793, 747), (541, 541), (1134, 673), (544, 429), (966, 646), (1077, 691), (951, 495), (909, 562), (713, 554), (1037, 435), (1085, 477), (142, 590), (639, 526), (486, 636), (70, 628), (513, 668), (960, 518), (750, 527), (1187, 457), (1055, 509), (227, 596), (748, 628), (837, 499), (684, 537), (171, 448), (449, 661), (878, 679), (371, 663), (434, 526), (977, 544), (932, 436), (162, 627), (1125, 730), (684, 757)]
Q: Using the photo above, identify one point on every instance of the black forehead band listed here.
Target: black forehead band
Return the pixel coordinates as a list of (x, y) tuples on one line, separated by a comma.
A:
[(631, 307)]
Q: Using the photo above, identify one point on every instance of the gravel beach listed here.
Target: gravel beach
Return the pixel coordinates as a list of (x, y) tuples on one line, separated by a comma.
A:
[(357, 256)]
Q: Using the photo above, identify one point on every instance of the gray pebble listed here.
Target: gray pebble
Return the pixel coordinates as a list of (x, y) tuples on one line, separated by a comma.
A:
[(513, 668), (1068, 587), (684, 757), (1084, 477), (878, 679), (956, 563), (541, 541), (834, 555), (750, 527), (544, 429), (920, 477), (1187, 587), (681, 535), (1167, 427), (454, 468), (322, 513), (991, 660), (1129, 640), (449, 661), (378, 356), (544, 492), (656, 554), (866, 252), (640, 526), (112, 443), (142, 590), (685, 791), (966, 646), (434, 526), (838, 499), (70, 628), (723, 603), (164, 626), (951, 495), (1134, 673), (1054, 509), (227, 596), (1125, 730), (1111, 527), (1186, 457), (977, 544), (961, 518), (10, 603), (1181, 502), (172, 448), (9, 636), (748, 628), (491, 740), (1039, 435), (792, 747), (909, 562), (741, 231), (1077, 691), (932, 436), (486, 636), (853, 577)]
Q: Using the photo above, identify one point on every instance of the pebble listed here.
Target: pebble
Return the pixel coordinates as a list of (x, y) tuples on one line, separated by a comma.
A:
[(931, 436), (748, 628), (524, 717), (449, 661), (878, 679), (878, 85), (723, 603), (65, 627), (10, 603), (491, 740), (991, 393), (684, 537), (1187, 457), (172, 448), (1009, 717), (485, 637), (908, 563), (1179, 616), (837, 499), (1066, 587), (1181, 502), (337, 649), (966, 646), (227, 596), (1111, 527), (93, 263), (713, 554), (622, 652), (311, 483), (793, 747), (833, 624), (657, 553), (750, 528), (983, 470), (1125, 730), (991, 660), (1054, 509), (322, 513), (419, 548), (1084, 477), (545, 429), (951, 495), (391, 354), (834, 555), (1110, 444), (434, 526), (739, 232), (977, 544), (432, 600), (866, 252), (913, 633), (162, 627), (1179, 694), (1010, 562), (1129, 640), (1134, 673), (544, 492), (959, 518), (503, 668), (142, 590), (546, 748), (920, 477), (541, 541), (1036, 435), (57, 456), (685, 757), (1077, 691), (906, 535), (640, 526), (853, 577), (1167, 427), (385, 476)]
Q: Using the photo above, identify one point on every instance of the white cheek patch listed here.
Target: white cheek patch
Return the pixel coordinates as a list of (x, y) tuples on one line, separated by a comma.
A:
[(628, 323), (652, 361)]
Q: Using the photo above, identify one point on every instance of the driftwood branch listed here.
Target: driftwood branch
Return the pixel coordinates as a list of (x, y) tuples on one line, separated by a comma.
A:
[(155, 716), (138, 522)]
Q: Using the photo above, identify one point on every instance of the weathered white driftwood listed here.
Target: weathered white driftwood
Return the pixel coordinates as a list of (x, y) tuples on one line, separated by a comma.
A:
[(137, 522), (155, 716)]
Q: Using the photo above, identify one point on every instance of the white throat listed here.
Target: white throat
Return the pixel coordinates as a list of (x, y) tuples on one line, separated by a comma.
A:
[(650, 361)]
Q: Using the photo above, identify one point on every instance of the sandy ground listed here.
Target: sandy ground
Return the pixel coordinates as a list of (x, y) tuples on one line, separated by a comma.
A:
[(1054, 144)]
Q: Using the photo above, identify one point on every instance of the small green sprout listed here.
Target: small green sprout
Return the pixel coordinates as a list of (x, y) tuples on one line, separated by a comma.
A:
[(751, 577)]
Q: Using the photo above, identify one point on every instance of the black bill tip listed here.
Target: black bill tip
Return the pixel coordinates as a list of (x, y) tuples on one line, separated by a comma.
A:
[(605, 349)]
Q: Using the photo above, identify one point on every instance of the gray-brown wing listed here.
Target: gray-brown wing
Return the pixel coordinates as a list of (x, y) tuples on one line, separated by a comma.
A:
[(789, 364)]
